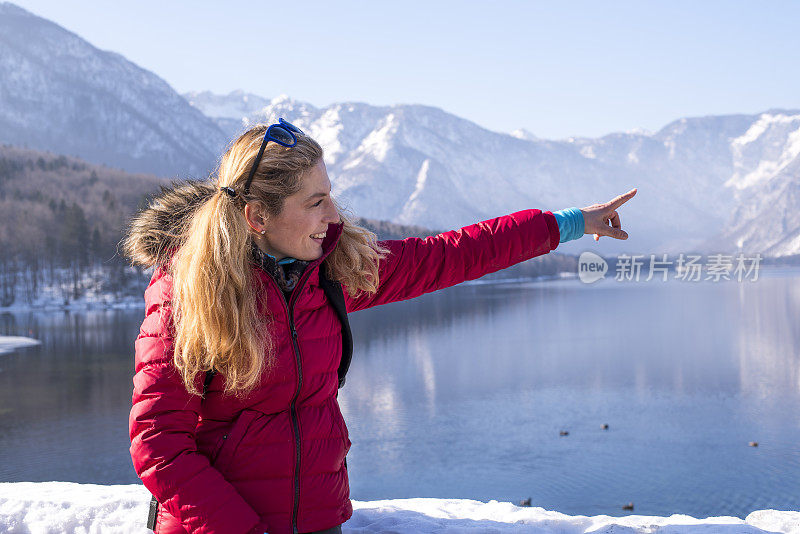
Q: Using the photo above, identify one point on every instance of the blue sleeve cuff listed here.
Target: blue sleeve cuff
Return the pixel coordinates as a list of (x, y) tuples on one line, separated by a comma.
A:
[(570, 224)]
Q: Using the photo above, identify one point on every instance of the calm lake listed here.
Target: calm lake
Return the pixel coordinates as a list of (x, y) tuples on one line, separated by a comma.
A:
[(464, 393)]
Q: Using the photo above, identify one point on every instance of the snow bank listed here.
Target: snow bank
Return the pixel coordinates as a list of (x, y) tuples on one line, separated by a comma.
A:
[(56, 507), (10, 343)]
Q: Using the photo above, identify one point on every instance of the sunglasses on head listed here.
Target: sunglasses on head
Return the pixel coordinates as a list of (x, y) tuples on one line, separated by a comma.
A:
[(283, 133)]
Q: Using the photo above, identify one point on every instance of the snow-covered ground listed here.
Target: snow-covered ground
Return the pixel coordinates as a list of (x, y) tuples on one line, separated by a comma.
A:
[(66, 507), (11, 343)]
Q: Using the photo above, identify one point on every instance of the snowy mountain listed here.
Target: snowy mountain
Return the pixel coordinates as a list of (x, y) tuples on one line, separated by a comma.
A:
[(766, 184), (710, 184), (415, 164), (229, 111), (702, 181), (522, 133), (59, 93)]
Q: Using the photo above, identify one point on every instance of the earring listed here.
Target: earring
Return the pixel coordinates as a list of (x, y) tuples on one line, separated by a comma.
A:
[(263, 232)]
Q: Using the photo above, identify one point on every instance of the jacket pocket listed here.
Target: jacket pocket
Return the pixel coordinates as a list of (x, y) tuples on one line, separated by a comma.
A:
[(336, 413), (337, 418), (231, 440), (217, 447)]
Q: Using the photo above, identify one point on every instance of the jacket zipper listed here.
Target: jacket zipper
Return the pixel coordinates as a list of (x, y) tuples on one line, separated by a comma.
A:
[(295, 425), (292, 407)]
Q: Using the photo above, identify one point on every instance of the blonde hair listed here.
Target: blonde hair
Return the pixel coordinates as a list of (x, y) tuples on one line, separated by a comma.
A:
[(219, 307)]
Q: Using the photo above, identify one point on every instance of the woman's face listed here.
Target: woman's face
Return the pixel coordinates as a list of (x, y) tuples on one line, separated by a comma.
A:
[(297, 232)]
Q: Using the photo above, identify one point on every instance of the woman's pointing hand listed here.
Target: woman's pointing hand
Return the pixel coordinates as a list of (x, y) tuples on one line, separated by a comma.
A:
[(603, 219)]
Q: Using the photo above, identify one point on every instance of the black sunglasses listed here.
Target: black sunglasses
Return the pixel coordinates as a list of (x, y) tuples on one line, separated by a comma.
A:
[(283, 133)]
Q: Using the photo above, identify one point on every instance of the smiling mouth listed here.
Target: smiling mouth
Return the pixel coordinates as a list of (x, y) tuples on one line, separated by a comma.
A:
[(318, 236)]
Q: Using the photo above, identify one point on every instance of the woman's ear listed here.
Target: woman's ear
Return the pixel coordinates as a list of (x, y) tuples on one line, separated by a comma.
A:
[(256, 217)]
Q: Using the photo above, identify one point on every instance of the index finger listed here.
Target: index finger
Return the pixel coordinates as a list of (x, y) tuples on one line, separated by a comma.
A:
[(622, 199)]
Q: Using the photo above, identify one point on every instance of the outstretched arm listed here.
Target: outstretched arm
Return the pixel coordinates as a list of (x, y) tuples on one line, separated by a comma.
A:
[(416, 266)]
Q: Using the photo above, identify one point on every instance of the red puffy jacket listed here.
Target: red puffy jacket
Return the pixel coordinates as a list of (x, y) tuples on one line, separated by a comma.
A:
[(274, 462)]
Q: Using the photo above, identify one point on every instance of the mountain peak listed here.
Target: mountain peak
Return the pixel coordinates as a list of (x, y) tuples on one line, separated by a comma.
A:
[(281, 99), (235, 106), (522, 133)]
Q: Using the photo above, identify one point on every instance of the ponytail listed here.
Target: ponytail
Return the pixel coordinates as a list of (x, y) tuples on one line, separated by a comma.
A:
[(217, 321)]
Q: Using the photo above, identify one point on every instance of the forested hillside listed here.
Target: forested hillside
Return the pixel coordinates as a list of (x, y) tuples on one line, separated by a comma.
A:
[(60, 221)]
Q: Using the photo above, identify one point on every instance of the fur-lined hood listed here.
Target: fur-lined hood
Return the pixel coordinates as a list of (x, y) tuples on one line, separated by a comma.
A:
[(155, 232)]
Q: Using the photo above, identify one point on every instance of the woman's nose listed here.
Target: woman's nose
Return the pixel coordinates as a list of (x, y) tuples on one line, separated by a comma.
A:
[(331, 214)]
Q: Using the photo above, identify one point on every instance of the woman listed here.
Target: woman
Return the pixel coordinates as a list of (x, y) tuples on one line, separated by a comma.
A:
[(235, 426)]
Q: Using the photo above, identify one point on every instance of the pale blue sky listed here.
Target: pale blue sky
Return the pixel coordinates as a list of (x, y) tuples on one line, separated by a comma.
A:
[(558, 69)]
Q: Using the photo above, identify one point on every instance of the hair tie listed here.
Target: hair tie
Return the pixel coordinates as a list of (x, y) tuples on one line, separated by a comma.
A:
[(229, 190)]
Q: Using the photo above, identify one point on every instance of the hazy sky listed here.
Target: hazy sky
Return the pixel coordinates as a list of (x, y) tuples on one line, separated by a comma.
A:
[(557, 68)]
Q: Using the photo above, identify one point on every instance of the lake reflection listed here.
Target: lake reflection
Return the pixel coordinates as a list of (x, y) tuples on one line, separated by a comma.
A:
[(463, 393)]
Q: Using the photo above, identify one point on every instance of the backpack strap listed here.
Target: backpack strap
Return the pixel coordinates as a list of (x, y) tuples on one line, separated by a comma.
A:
[(335, 294), (209, 377)]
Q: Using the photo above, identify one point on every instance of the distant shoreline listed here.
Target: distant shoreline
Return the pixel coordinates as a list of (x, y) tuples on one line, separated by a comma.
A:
[(109, 302), (126, 303)]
